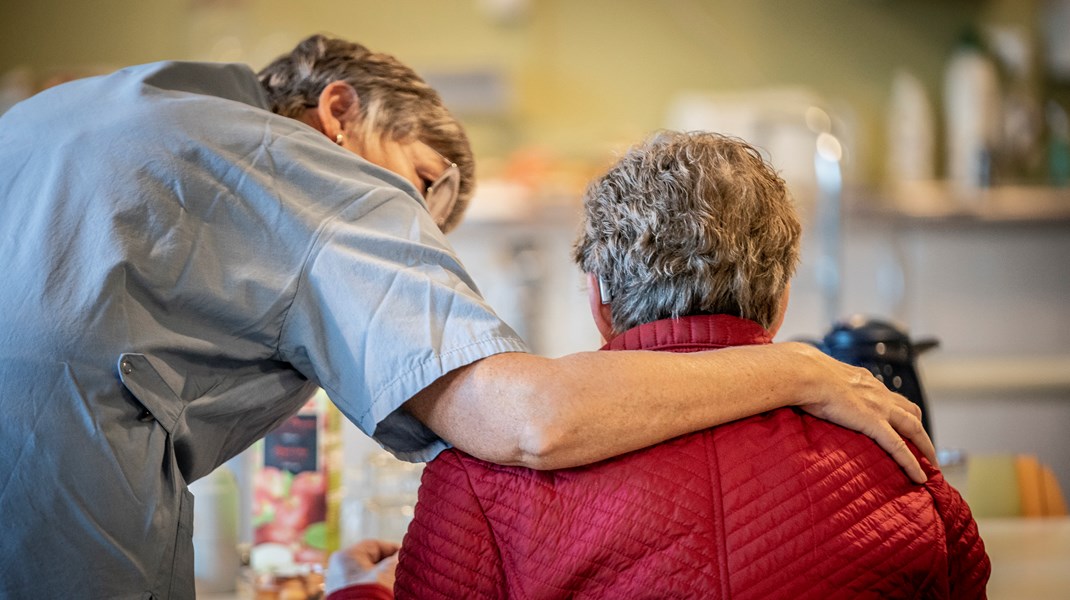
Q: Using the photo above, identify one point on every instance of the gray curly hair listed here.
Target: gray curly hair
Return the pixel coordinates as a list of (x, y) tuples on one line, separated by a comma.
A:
[(394, 100), (690, 223)]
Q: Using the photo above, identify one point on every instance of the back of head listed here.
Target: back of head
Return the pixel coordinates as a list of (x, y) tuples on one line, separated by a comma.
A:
[(690, 223), (394, 101)]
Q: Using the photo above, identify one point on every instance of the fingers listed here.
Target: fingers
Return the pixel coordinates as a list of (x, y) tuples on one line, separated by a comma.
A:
[(367, 553), (388, 548), (388, 572), (852, 397), (909, 426), (888, 439), (904, 419), (367, 561), (888, 417), (908, 406)]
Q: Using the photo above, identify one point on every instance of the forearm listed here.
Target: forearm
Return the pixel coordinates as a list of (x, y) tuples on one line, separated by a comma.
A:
[(552, 413), (545, 413)]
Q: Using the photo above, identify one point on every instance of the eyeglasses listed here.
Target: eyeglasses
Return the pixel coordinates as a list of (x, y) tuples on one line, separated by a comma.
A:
[(441, 195)]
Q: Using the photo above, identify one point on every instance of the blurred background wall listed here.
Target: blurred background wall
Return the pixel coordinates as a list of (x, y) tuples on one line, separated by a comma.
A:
[(550, 89), (574, 76)]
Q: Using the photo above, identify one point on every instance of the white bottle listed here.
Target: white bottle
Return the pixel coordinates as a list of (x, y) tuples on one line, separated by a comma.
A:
[(972, 115), (216, 561), (911, 131)]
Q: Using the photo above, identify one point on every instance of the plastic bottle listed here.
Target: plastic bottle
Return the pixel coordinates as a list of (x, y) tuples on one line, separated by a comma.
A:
[(217, 560), (911, 131), (972, 112)]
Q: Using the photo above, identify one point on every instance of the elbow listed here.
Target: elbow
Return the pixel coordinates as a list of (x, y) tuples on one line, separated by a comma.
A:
[(529, 445), (546, 436), (537, 447), (538, 413)]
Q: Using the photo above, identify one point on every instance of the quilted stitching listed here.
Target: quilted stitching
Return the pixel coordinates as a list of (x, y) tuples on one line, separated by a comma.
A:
[(449, 516), (691, 334), (781, 505)]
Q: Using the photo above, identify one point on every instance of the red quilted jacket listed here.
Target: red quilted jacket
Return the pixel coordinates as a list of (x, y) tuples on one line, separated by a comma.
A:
[(779, 505)]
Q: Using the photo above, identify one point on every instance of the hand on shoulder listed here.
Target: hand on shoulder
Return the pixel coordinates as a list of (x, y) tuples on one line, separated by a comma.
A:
[(851, 397)]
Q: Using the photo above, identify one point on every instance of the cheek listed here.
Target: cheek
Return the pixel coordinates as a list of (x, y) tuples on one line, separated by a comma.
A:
[(399, 162), (391, 156)]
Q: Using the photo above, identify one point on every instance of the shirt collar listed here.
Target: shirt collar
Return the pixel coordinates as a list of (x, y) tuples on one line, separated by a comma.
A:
[(691, 334)]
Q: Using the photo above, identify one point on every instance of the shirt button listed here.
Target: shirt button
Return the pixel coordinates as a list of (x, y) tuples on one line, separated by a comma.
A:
[(144, 415), (126, 367)]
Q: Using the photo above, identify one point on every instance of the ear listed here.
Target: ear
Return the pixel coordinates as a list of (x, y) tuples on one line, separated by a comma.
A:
[(602, 313), (338, 104)]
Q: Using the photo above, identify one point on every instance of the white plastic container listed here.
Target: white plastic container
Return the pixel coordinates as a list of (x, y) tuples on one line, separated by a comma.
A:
[(911, 131), (216, 562), (972, 112)]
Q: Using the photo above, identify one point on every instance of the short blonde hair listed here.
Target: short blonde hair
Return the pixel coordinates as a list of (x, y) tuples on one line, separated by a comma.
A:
[(394, 100), (690, 223)]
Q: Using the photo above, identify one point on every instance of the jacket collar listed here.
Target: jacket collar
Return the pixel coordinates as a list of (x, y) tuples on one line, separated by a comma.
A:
[(691, 334)]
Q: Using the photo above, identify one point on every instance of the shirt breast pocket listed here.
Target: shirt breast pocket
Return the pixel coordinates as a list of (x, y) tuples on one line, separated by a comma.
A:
[(153, 391)]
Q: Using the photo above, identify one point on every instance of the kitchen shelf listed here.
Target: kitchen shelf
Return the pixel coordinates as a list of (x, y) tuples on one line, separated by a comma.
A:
[(942, 203), (987, 376)]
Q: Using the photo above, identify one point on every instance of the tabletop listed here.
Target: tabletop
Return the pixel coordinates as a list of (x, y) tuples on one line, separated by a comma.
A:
[(1030, 557)]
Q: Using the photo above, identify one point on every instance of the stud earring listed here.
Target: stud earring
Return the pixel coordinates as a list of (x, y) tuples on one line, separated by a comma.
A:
[(338, 139)]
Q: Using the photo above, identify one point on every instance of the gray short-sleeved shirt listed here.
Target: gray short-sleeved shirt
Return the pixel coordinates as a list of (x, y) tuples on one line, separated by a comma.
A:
[(182, 268)]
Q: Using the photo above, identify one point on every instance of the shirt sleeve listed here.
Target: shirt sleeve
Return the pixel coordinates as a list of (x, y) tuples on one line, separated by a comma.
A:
[(383, 308), (449, 550)]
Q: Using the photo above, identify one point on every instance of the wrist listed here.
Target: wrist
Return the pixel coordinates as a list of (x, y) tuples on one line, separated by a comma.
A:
[(806, 378)]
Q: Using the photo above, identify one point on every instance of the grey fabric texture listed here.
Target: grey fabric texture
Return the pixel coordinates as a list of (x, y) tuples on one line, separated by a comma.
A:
[(183, 269)]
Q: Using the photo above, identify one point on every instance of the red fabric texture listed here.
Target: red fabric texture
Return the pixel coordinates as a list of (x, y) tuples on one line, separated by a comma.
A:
[(780, 505)]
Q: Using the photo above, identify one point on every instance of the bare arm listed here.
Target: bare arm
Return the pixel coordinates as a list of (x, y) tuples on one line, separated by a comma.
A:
[(546, 413)]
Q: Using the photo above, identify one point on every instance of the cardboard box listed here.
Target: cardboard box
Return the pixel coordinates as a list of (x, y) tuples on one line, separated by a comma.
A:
[(296, 488)]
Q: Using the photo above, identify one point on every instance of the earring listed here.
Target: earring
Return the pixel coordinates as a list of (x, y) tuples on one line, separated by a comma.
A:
[(338, 139)]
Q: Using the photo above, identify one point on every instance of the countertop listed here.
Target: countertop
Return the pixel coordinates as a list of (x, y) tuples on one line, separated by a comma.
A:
[(1030, 558)]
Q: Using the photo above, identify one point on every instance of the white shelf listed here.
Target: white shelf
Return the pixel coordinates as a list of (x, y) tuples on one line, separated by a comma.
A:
[(943, 202), (995, 375)]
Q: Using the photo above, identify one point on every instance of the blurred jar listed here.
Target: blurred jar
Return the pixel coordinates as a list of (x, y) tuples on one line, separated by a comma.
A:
[(380, 499), (972, 112), (298, 582), (216, 559)]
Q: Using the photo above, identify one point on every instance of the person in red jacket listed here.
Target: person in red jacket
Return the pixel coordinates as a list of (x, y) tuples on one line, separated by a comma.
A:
[(689, 243)]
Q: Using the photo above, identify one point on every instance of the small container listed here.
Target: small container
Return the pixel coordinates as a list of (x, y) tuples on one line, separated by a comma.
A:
[(383, 498), (972, 112), (217, 559)]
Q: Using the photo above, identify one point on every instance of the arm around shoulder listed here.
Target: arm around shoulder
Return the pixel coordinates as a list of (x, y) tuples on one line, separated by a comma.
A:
[(521, 409)]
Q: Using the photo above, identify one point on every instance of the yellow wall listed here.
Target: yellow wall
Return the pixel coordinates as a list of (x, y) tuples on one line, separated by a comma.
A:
[(586, 74)]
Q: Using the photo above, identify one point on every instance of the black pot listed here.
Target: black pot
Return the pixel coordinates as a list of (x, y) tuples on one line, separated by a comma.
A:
[(886, 351)]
